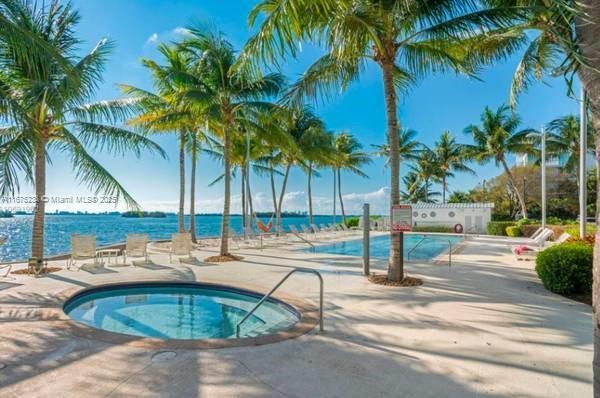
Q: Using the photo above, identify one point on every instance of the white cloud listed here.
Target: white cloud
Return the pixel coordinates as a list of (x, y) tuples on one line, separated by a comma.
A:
[(152, 39), (180, 30)]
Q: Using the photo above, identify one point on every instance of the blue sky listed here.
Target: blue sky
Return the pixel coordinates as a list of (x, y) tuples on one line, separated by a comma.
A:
[(443, 102)]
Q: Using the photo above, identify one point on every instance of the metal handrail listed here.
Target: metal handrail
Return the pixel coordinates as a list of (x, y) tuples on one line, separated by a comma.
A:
[(433, 238), (297, 235), (266, 297)]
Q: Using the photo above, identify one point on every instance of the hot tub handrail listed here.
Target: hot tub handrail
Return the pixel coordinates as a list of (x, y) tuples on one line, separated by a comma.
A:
[(425, 237), (266, 297)]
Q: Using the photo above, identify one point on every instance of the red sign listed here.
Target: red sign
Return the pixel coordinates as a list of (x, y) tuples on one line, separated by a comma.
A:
[(401, 218)]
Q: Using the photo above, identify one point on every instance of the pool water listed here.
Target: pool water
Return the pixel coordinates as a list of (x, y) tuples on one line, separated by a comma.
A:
[(428, 249), (178, 311)]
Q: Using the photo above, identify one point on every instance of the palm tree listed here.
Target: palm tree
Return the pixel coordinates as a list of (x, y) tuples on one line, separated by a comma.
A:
[(563, 140), (228, 96), (450, 157), (407, 40), (316, 148), (426, 170), (348, 156), (495, 139), (408, 148), (416, 189), (301, 123), (164, 112), (44, 108)]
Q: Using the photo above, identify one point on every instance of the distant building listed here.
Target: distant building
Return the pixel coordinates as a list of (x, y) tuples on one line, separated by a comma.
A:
[(559, 161)]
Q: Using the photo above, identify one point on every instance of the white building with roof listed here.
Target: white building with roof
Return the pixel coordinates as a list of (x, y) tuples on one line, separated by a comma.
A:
[(473, 217)]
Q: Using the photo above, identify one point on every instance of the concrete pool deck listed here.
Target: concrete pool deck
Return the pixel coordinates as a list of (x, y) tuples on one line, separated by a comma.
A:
[(485, 327)]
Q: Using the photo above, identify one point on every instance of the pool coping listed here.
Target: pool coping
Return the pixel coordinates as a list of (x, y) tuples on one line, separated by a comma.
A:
[(438, 259), (309, 318)]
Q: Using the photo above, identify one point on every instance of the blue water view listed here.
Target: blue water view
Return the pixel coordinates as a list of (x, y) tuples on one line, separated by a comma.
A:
[(178, 312), (110, 229), (419, 248)]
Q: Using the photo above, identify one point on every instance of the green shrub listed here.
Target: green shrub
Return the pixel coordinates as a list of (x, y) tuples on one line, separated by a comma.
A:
[(433, 228), (499, 227), (525, 221), (566, 268), (573, 230), (352, 222), (513, 231)]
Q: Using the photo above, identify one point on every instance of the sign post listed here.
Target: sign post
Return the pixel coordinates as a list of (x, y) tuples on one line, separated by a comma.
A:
[(401, 222)]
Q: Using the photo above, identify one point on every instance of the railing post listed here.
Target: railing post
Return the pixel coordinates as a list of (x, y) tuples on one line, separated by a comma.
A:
[(366, 240)]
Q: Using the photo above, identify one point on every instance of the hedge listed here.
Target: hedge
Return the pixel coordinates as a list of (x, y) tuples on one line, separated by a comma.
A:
[(513, 231), (352, 222), (566, 268), (499, 227), (433, 228)]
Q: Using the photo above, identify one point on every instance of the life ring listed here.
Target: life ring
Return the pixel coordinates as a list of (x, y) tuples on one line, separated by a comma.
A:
[(458, 228)]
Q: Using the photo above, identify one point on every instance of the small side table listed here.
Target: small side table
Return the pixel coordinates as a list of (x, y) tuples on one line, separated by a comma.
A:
[(108, 254)]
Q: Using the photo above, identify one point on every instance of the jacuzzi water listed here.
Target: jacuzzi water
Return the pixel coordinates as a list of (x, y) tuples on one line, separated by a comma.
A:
[(421, 246), (178, 311)]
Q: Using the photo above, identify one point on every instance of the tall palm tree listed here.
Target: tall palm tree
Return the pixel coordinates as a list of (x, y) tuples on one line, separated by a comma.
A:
[(408, 148), (495, 139), (165, 112), (301, 123), (407, 40), (348, 156), (416, 189), (316, 148), (228, 95), (450, 157), (563, 140), (427, 171), (44, 108)]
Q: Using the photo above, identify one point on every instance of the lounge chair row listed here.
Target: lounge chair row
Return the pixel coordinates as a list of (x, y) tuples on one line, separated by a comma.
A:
[(83, 247)]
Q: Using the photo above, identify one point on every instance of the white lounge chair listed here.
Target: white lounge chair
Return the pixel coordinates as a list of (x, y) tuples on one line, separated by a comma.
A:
[(136, 246), (532, 251), (181, 245), (83, 247)]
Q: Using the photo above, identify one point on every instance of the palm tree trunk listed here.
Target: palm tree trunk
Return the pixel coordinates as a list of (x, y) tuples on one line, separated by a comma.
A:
[(243, 191), (181, 181), (193, 190), (309, 191), (444, 189), (518, 193), (250, 204), (588, 31), (37, 238), (395, 267), (273, 190), (339, 181), (427, 190), (282, 194), (224, 251)]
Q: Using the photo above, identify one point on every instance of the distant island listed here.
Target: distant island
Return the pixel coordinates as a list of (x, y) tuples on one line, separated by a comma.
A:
[(6, 214), (143, 214), (284, 214)]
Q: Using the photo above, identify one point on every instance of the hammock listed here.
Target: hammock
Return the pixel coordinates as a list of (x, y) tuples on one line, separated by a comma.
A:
[(266, 228)]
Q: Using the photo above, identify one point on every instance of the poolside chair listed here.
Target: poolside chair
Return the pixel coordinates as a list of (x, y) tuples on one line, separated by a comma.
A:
[(136, 246), (181, 245), (524, 252), (306, 230), (83, 247)]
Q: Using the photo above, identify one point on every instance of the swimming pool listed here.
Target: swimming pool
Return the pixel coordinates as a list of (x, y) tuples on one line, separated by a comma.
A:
[(428, 249), (178, 311)]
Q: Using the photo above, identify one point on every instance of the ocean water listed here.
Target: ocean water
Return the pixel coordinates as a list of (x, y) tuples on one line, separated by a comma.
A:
[(110, 229)]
